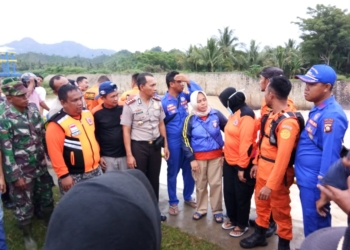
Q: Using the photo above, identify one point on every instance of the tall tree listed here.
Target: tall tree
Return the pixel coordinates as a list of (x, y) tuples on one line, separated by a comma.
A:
[(325, 32), (210, 54)]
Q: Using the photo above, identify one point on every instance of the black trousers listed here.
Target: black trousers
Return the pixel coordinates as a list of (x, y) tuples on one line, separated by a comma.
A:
[(237, 194), (148, 160)]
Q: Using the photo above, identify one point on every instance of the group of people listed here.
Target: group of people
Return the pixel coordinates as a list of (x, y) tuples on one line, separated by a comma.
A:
[(92, 132)]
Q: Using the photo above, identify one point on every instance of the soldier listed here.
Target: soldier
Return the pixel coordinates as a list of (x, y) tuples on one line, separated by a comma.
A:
[(22, 145), (144, 131), (2, 191)]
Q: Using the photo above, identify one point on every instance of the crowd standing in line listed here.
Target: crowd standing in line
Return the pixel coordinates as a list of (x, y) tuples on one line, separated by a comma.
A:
[(91, 131)]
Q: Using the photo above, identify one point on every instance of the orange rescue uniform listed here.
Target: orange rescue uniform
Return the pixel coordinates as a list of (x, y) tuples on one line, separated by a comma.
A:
[(240, 137), (124, 97), (274, 173), (89, 97)]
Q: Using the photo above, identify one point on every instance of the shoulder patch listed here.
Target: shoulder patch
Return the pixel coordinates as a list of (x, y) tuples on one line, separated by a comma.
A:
[(128, 102), (328, 125), (156, 98)]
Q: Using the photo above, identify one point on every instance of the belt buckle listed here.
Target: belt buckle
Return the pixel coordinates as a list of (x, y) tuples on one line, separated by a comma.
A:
[(150, 142)]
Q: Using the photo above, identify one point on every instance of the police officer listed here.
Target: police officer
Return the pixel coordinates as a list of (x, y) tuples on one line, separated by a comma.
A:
[(320, 143), (175, 105), (143, 131), (22, 144)]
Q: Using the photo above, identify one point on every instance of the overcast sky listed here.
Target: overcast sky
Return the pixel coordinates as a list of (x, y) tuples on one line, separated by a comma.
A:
[(140, 25)]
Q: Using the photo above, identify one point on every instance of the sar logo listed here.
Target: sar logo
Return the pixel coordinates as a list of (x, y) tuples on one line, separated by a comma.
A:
[(215, 124)]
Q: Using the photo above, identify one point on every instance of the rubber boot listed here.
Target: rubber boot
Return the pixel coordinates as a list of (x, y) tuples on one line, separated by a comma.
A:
[(258, 238), (29, 242), (272, 228), (283, 244), (46, 213)]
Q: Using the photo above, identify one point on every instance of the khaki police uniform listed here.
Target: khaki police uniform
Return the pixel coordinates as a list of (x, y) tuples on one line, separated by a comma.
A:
[(144, 122)]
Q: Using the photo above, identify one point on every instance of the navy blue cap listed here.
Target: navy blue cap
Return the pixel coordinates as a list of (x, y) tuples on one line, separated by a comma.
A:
[(106, 88), (319, 73)]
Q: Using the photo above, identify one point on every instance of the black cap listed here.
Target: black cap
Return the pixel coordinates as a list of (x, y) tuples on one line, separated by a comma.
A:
[(270, 72)]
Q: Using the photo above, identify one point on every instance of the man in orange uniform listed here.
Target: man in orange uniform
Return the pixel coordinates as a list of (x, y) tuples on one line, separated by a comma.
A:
[(265, 75), (128, 95), (273, 171), (92, 92)]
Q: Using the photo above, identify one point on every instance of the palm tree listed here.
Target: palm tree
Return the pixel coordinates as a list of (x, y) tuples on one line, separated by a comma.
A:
[(210, 54)]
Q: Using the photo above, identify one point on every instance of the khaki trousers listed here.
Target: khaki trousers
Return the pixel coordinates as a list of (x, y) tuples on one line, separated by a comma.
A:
[(210, 173)]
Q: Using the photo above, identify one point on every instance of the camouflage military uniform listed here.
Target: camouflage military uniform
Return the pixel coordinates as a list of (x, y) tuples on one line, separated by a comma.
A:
[(21, 137)]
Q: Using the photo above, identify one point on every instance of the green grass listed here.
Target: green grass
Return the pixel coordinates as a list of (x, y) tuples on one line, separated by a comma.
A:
[(172, 238)]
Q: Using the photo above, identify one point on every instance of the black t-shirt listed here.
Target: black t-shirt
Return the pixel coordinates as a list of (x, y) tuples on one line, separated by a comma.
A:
[(109, 132)]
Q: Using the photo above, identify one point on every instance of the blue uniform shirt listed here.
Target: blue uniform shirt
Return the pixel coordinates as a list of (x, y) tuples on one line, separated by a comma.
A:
[(320, 142), (178, 109)]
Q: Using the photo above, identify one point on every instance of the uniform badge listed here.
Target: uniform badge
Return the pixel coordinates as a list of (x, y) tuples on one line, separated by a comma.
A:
[(285, 133), (156, 105), (313, 123), (90, 96), (328, 125), (74, 130), (88, 119), (215, 124), (311, 136), (235, 122), (139, 123)]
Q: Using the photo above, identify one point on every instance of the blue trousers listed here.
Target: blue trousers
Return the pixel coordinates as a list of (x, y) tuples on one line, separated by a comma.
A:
[(311, 219), (3, 245), (176, 162)]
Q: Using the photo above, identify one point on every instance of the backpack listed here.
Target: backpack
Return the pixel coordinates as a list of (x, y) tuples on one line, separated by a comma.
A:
[(274, 125)]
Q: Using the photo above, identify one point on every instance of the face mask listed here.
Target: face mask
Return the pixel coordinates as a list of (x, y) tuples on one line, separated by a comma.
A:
[(230, 111)]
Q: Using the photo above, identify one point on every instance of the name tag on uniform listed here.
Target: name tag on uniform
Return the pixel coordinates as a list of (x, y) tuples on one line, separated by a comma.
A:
[(88, 119), (74, 130)]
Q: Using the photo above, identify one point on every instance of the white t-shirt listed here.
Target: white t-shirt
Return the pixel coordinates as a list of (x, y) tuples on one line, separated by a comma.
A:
[(55, 107), (41, 92)]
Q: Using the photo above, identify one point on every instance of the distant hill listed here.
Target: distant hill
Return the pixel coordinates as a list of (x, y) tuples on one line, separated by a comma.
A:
[(64, 49)]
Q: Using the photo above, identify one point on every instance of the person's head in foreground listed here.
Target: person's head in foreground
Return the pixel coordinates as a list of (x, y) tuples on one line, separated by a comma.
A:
[(232, 100), (199, 102), (117, 210), (266, 74)]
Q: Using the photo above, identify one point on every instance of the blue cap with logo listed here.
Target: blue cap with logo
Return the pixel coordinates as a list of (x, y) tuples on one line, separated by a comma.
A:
[(106, 88), (319, 73)]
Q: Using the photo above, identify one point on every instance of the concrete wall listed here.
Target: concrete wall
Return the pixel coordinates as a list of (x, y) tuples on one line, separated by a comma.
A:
[(214, 83)]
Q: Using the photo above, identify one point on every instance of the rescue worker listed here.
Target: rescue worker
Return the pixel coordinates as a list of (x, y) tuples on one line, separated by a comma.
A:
[(83, 85), (265, 75), (144, 131), (274, 172), (320, 143), (202, 144), (239, 150), (127, 95), (92, 92), (175, 105), (22, 144), (71, 142), (108, 130)]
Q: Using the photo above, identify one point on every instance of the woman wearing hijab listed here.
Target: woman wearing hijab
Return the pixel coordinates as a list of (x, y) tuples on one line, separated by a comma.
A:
[(202, 142), (239, 151)]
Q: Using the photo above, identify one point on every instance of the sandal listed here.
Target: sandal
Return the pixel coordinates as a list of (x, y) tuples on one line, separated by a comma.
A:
[(219, 218), (241, 232), (199, 216), (173, 209), (227, 225), (191, 203)]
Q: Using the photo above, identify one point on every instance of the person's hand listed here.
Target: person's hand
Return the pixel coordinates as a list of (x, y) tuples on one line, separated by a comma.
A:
[(195, 166), (103, 163), (166, 153), (31, 86), (182, 78), (130, 161), (2, 185), (241, 176), (320, 207), (264, 193), (21, 184), (67, 183), (341, 197), (253, 171)]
